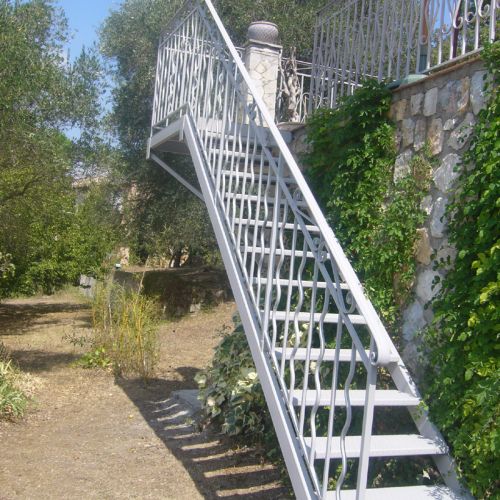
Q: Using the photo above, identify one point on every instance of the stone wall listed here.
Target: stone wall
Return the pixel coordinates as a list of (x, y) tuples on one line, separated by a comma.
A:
[(439, 110)]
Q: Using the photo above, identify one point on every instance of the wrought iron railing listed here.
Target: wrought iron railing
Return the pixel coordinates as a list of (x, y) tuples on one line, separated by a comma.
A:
[(390, 39), (303, 295)]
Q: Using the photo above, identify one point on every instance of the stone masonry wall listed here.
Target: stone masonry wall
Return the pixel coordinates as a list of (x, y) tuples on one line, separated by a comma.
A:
[(439, 110)]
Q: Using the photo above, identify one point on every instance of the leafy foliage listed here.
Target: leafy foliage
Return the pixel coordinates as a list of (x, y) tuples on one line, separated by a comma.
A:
[(47, 238), (230, 389), (464, 389), (295, 20), (373, 214)]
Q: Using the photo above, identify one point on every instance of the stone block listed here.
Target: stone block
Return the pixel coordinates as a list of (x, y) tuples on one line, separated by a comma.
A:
[(426, 204), (454, 96), (438, 220), (416, 103), (446, 254), (413, 320), (398, 110), (477, 95), (427, 286), (450, 124), (445, 175), (430, 102), (459, 136), (420, 133), (435, 136), (402, 165), (408, 130), (423, 249)]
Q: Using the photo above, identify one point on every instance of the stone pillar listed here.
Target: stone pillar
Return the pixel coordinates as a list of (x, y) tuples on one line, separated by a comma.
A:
[(262, 59)]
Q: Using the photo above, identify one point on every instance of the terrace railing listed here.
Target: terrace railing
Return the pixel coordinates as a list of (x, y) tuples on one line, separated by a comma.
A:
[(391, 39)]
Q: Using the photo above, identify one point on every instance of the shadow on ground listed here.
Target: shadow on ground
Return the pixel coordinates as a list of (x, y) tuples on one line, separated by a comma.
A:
[(18, 318), (36, 361), (217, 469)]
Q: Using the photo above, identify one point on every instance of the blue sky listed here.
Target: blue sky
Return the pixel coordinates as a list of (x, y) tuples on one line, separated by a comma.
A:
[(85, 18)]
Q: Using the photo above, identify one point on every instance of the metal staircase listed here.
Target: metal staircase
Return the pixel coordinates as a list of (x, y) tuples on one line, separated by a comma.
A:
[(336, 388)]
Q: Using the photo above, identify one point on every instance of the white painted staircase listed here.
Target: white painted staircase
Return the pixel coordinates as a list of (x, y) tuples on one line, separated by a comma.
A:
[(337, 390)]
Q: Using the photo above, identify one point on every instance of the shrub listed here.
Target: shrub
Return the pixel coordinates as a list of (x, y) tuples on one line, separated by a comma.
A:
[(13, 400), (464, 388), (125, 331), (230, 390)]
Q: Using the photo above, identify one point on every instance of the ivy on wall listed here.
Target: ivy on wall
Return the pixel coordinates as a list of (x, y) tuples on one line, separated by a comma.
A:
[(373, 213), (464, 388)]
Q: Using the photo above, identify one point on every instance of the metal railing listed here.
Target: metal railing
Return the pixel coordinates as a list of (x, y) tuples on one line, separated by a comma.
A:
[(296, 291), (390, 39), (316, 340)]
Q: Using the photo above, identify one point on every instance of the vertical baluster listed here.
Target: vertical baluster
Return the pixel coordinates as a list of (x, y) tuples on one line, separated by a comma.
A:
[(310, 330), (286, 324), (366, 433), (296, 327)]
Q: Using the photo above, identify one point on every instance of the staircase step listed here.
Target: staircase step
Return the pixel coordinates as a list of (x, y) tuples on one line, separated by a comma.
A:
[(255, 198), (401, 492), (248, 176), (295, 283), (286, 253), (305, 317), (398, 445), (329, 354), (269, 224), (243, 155), (357, 398)]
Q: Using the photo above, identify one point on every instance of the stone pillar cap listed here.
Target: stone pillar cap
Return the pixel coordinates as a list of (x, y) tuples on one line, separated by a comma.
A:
[(263, 32)]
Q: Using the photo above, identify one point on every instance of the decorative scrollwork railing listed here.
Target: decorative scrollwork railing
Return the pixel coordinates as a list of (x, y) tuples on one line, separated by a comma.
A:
[(390, 39)]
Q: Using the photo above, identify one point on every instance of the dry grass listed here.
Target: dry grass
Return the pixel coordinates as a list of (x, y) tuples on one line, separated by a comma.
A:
[(126, 330)]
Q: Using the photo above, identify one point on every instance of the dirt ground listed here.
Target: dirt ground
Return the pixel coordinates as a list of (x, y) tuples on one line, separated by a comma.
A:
[(91, 436)]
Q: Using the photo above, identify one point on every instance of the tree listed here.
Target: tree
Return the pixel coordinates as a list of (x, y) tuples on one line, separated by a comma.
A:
[(295, 20), (162, 216), (41, 95)]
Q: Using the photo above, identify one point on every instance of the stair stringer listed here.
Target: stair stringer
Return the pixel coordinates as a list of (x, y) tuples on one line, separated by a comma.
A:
[(297, 468)]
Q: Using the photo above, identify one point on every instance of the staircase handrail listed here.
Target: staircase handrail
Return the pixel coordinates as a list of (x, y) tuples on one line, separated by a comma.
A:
[(384, 350)]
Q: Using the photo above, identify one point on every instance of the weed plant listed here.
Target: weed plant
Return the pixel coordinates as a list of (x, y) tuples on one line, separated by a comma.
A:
[(125, 331), (13, 400)]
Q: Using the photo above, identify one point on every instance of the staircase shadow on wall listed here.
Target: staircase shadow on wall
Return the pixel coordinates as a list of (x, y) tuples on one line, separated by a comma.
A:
[(217, 467)]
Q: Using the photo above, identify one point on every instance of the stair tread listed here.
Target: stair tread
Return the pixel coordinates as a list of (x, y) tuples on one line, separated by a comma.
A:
[(328, 355), (295, 283), (248, 176), (357, 398), (407, 492), (279, 252), (398, 445), (305, 317), (256, 198), (287, 225)]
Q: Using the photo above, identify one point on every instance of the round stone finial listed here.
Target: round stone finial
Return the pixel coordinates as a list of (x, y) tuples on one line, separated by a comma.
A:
[(264, 32)]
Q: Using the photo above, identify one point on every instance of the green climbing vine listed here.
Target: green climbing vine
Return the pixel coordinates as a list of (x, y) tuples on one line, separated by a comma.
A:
[(464, 388), (373, 210)]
